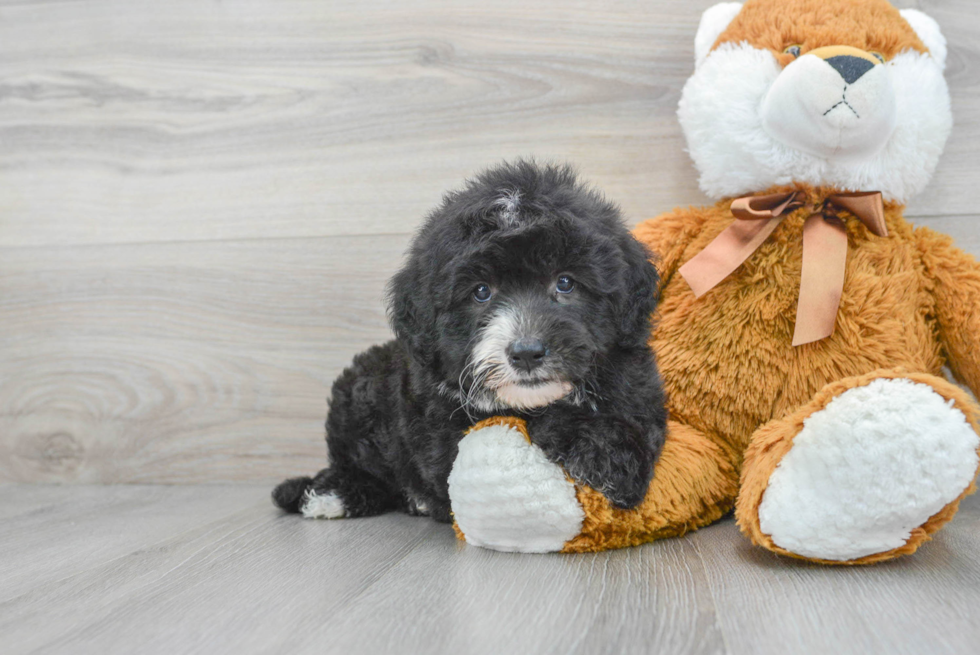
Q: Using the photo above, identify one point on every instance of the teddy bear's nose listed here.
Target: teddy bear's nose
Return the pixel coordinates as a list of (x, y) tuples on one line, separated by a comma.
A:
[(850, 68)]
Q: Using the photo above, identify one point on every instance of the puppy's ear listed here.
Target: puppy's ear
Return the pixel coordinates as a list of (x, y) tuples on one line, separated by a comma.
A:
[(641, 294), (410, 311)]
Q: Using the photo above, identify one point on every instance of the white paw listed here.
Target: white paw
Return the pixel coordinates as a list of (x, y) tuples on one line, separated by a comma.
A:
[(506, 495), (322, 506), (866, 470)]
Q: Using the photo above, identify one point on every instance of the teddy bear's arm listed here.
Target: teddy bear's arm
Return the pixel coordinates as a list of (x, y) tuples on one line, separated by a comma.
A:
[(668, 236), (955, 277)]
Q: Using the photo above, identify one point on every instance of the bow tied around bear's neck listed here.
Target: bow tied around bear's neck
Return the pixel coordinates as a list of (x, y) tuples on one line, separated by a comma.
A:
[(824, 250)]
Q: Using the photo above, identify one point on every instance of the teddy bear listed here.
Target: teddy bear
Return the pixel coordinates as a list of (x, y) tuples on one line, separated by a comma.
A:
[(803, 324)]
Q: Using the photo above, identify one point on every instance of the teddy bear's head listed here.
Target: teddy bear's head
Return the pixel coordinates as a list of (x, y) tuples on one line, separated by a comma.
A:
[(842, 93)]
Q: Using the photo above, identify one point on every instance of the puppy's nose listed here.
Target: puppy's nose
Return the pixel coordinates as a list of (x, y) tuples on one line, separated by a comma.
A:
[(526, 354), (850, 68)]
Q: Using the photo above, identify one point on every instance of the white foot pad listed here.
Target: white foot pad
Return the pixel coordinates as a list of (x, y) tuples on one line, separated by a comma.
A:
[(323, 506), (506, 495), (866, 470)]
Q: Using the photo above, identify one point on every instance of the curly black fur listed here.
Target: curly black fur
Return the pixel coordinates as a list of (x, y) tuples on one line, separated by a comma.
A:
[(524, 231)]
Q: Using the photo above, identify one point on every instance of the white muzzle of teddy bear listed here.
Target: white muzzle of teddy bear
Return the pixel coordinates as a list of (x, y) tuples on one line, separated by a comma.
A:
[(836, 103)]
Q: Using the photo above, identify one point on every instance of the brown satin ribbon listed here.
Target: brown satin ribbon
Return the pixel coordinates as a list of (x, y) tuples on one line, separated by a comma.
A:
[(824, 251)]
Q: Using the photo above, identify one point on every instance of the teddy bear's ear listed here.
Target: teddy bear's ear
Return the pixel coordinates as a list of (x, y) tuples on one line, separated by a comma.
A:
[(713, 23), (928, 30)]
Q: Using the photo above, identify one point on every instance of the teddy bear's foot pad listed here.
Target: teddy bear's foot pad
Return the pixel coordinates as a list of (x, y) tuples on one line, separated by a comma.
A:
[(506, 495), (877, 462)]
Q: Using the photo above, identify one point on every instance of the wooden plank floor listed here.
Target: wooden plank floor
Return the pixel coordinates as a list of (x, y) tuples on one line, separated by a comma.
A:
[(216, 569)]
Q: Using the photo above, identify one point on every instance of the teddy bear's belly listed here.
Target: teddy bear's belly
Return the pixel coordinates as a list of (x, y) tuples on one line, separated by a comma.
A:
[(727, 359)]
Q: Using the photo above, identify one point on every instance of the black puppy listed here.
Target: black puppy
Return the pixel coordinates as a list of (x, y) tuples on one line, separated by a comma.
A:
[(523, 295)]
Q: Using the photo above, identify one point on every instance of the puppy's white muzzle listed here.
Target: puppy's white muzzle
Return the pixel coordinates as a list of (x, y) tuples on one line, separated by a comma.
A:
[(532, 397), (813, 107), (510, 387)]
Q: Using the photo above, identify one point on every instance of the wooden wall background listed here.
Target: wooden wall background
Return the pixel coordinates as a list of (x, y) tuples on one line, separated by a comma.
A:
[(200, 202)]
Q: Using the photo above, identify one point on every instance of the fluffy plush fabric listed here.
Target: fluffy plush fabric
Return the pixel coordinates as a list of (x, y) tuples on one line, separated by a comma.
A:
[(523, 293), (522, 502), (867, 469), (523, 507), (871, 25), (910, 517), (713, 22), (737, 371), (885, 131), (888, 318), (927, 29), (848, 450)]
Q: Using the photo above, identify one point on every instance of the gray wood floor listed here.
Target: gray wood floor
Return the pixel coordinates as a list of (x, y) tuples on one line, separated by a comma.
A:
[(215, 569)]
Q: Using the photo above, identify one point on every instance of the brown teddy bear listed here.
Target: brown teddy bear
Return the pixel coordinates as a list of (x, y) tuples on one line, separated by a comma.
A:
[(803, 323)]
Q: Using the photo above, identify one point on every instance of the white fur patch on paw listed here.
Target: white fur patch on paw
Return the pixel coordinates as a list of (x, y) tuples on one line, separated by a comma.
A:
[(322, 506), (866, 470), (506, 495)]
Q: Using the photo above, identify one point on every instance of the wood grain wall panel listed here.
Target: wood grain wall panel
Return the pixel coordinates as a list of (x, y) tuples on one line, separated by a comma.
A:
[(132, 121), (181, 361), (200, 202)]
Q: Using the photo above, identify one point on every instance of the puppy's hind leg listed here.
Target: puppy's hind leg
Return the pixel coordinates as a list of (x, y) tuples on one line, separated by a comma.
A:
[(289, 494), (339, 492)]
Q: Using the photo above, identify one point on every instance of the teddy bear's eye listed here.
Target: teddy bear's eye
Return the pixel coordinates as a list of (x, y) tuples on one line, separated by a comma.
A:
[(793, 50), (877, 55)]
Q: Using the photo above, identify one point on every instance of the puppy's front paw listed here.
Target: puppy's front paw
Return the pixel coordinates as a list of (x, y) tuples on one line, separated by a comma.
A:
[(506, 495), (622, 478), (607, 454)]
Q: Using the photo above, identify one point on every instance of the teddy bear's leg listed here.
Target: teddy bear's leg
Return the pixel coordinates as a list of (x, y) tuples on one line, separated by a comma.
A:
[(506, 495), (866, 471), (694, 484)]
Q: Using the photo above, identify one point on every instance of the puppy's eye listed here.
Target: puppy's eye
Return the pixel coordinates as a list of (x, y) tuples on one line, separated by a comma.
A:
[(877, 55), (482, 293), (793, 50), (565, 284)]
